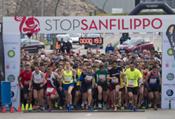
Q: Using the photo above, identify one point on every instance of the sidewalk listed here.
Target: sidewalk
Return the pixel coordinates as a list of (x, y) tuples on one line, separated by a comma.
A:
[(149, 114)]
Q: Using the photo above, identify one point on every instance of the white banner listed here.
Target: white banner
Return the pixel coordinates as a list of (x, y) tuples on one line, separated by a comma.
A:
[(13, 26), (85, 24), (168, 70), (12, 64)]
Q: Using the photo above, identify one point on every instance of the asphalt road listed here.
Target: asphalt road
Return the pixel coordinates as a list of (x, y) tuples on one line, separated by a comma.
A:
[(161, 114)]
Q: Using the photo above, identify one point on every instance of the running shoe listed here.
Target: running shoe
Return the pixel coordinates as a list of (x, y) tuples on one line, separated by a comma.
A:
[(69, 108), (99, 105), (130, 106), (104, 107), (155, 108), (83, 105), (122, 108), (134, 108), (60, 107), (115, 108), (90, 108)]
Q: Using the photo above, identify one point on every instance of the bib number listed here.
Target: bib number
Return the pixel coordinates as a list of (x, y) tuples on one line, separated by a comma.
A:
[(26, 82), (102, 77), (38, 78), (131, 83), (50, 90), (152, 81), (115, 80), (88, 78), (68, 79)]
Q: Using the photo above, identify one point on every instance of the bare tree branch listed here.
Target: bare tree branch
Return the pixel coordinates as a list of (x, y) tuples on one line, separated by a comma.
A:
[(18, 7), (104, 4), (57, 3)]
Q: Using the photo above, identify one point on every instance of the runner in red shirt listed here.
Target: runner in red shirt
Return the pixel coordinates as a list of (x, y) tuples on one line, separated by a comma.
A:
[(52, 85), (24, 79)]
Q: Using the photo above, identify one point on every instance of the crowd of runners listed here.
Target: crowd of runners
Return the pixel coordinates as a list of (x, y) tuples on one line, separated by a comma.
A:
[(73, 81)]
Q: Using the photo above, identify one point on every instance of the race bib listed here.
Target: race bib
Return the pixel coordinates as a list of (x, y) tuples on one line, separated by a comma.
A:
[(153, 81), (131, 82), (88, 78), (50, 90), (115, 80), (110, 51), (38, 78), (102, 77), (67, 79), (26, 82)]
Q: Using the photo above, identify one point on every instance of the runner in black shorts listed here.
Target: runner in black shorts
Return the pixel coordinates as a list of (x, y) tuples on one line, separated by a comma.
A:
[(77, 89), (154, 86), (115, 94), (133, 90), (133, 76), (88, 81), (102, 87), (38, 83)]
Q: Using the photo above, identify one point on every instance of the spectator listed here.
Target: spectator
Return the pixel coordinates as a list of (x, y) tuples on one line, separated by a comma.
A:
[(109, 48)]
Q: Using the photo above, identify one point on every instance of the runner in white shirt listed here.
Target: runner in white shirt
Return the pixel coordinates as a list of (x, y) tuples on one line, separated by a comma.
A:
[(38, 83)]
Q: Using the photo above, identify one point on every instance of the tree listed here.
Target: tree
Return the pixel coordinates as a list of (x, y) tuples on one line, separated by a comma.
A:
[(104, 4), (57, 3)]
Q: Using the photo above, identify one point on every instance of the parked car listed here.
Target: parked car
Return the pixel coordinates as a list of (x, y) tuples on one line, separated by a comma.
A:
[(31, 45), (135, 45), (93, 45)]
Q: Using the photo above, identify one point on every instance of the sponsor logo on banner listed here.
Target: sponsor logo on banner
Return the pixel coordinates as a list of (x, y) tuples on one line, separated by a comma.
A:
[(170, 33), (11, 53), (11, 78), (169, 92), (170, 76), (28, 24), (170, 52)]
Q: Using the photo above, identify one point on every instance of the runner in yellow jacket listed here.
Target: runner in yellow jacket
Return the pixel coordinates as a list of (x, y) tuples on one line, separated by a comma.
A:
[(133, 77)]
